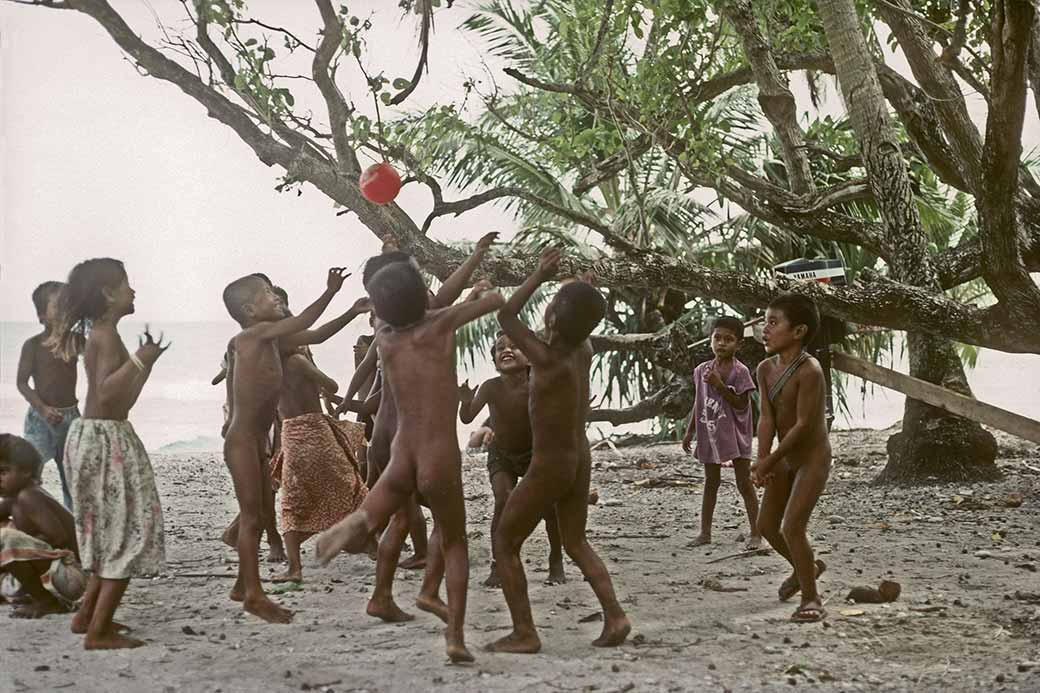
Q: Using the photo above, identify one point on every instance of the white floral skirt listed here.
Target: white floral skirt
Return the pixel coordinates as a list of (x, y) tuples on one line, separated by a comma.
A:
[(119, 521)]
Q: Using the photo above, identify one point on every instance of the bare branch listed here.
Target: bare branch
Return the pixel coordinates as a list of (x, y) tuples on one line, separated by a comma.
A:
[(279, 29), (337, 106), (424, 50), (774, 94)]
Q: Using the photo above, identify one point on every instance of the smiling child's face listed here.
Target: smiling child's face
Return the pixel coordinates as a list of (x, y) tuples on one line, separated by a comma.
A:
[(508, 358)]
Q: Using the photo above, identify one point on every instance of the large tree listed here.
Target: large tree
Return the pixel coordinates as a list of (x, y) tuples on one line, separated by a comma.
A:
[(641, 79)]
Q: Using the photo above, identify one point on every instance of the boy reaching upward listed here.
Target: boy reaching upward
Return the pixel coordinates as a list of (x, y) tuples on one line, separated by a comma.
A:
[(793, 398), (256, 383), (417, 352), (560, 462), (509, 453)]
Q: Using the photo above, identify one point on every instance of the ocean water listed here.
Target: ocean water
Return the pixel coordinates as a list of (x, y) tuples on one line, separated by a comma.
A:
[(180, 408)]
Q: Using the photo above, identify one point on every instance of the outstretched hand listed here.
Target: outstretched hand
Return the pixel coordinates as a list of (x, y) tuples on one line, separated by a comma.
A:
[(149, 350), (467, 393), (486, 240), (337, 275), (479, 289), (362, 305), (390, 244), (549, 261)]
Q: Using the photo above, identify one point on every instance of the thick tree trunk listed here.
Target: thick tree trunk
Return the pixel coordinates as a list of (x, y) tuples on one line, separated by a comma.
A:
[(933, 444)]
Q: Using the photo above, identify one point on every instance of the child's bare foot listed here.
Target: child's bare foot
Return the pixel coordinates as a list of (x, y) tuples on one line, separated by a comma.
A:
[(791, 587), (754, 543), (414, 563), (276, 554), (291, 575), (230, 535), (238, 592), (516, 644), (79, 626), (110, 640), (614, 633), (433, 605), (809, 612), (701, 540), (492, 580), (458, 653), (556, 574), (349, 534), (38, 608), (387, 610), (267, 610)]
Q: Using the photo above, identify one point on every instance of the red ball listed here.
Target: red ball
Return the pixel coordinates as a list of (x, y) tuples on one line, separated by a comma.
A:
[(380, 183)]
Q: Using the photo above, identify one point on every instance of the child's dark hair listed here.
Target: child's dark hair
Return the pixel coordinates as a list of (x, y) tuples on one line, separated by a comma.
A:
[(83, 301), (579, 307), (494, 344), (238, 294), (799, 310), (18, 452), (728, 322), (261, 275), (398, 293), (42, 294), (378, 262)]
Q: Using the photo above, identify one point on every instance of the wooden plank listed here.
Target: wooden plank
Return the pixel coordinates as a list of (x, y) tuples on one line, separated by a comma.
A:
[(940, 397)]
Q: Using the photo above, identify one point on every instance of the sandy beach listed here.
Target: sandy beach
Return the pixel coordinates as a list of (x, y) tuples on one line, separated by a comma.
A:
[(968, 617)]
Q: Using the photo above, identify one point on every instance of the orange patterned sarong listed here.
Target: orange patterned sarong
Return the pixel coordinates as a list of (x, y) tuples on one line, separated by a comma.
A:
[(320, 479)]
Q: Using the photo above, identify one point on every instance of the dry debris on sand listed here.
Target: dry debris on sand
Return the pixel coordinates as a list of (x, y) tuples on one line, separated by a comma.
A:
[(967, 618)]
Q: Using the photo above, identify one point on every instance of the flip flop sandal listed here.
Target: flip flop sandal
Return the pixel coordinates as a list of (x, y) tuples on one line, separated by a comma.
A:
[(808, 614)]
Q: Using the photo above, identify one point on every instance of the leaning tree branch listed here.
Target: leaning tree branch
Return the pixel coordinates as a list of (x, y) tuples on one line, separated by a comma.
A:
[(597, 48), (939, 83), (424, 50), (999, 228), (649, 408), (612, 165), (339, 111), (774, 94)]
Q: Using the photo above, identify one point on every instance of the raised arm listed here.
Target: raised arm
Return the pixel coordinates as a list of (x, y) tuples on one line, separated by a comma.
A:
[(120, 382), (481, 302), (365, 369), (470, 402), (328, 330), (453, 286), (297, 323), (509, 316)]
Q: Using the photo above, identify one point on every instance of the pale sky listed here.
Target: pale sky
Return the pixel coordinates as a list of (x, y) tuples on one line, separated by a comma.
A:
[(98, 160)]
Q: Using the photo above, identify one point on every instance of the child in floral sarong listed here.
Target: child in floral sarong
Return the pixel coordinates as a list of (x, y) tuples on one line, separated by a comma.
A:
[(119, 521), (37, 536)]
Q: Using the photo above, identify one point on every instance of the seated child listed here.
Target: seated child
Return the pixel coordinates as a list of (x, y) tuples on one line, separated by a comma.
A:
[(52, 396), (509, 453), (792, 389), (722, 418), (561, 462), (37, 549), (119, 519), (417, 348), (256, 384)]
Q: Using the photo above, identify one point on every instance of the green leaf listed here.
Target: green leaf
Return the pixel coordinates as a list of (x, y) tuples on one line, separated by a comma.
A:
[(400, 84)]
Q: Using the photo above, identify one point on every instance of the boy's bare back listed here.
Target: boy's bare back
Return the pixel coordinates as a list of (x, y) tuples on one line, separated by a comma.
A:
[(560, 400)]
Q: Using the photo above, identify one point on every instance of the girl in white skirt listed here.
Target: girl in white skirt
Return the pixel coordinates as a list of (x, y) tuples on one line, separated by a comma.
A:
[(119, 523)]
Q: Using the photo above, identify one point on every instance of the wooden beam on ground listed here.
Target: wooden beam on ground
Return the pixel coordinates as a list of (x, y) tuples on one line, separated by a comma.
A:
[(937, 396)]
